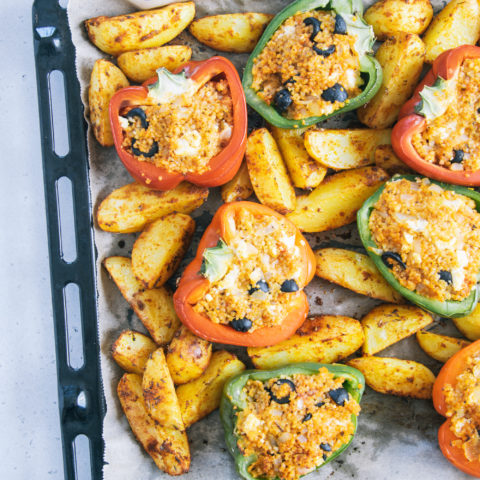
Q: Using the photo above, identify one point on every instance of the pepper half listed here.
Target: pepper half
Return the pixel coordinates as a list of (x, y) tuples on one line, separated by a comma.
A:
[(232, 401), (193, 286), (368, 64), (448, 375), (448, 308), (410, 122), (223, 166)]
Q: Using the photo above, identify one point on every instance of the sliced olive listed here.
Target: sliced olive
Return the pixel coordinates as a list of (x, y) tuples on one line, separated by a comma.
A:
[(320, 404), (316, 26), (326, 447), (340, 25), (261, 285), (325, 53), (339, 396), (307, 417), (335, 94), (153, 150), (290, 80), (139, 113), (286, 398), (457, 156), (324, 456), (446, 276), (387, 258), (289, 286), (241, 324), (282, 100)]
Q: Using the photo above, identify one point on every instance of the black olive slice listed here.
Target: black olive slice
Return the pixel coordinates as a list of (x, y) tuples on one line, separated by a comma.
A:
[(320, 404), (339, 396), (286, 398), (289, 286), (325, 53), (457, 156), (282, 100), (315, 24), (241, 324), (153, 149), (387, 258), (139, 113), (261, 285), (446, 276), (326, 447), (324, 456), (335, 94), (340, 25), (290, 80), (307, 417)]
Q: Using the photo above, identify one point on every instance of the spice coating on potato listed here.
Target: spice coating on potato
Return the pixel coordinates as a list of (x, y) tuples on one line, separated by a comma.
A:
[(131, 351), (440, 347), (239, 187)]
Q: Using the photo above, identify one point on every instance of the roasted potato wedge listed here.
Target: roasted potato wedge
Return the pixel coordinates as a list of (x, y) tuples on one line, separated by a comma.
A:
[(187, 356), (159, 249), (401, 58), (388, 324), (232, 32), (344, 149), (304, 171), (120, 270), (393, 376), (440, 347), (239, 187), (325, 339), (355, 271), (385, 158), (131, 351), (140, 65), (168, 447), (336, 200), (202, 396), (470, 324), (105, 80), (268, 173), (149, 28), (129, 208), (389, 17), (457, 24)]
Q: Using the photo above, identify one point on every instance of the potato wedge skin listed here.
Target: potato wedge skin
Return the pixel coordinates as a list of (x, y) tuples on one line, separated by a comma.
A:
[(387, 324), (202, 396), (386, 158), (389, 17), (140, 65), (233, 32), (457, 24), (129, 208), (469, 325), (324, 339), (392, 376), (239, 187), (120, 270), (149, 28), (105, 80), (344, 149), (337, 199), (131, 351), (401, 58), (268, 173), (355, 271), (440, 347)]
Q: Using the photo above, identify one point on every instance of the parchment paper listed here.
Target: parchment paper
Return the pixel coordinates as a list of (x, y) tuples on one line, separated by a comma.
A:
[(396, 437)]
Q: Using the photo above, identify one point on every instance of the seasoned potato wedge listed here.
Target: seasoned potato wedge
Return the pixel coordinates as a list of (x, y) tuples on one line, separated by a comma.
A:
[(343, 149), (388, 17), (336, 200), (187, 356), (268, 173), (149, 28), (401, 58), (355, 271), (159, 249), (457, 24), (440, 347), (168, 447), (469, 325), (105, 80), (388, 324), (202, 396), (140, 65), (232, 32), (304, 171), (325, 339), (393, 376), (385, 158), (129, 208), (239, 187), (120, 269), (131, 351)]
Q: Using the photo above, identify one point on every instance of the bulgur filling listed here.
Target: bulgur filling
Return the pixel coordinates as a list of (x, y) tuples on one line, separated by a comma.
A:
[(295, 436), (429, 237), (302, 74), (262, 278), (452, 140), (185, 133), (463, 408)]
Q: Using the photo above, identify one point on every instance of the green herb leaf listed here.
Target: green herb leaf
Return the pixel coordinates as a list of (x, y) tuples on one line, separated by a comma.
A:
[(435, 99), (216, 261), (169, 85)]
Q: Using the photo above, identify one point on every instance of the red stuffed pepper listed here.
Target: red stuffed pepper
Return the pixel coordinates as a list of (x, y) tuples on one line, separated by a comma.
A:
[(456, 396), (437, 134), (187, 125), (244, 287)]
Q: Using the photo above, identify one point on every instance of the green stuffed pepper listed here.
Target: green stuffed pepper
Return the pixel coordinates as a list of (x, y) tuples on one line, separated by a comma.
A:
[(314, 60), (424, 237), (285, 423)]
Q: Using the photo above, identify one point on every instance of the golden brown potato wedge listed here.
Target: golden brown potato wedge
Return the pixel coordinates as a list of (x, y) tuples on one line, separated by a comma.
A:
[(355, 271), (470, 324), (457, 24), (268, 173), (131, 351), (159, 249), (232, 32), (325, 339), (393, 376), (401, 58), (129, 208), (149, 28), (304, 171), (168, 447), (120, 270), (388, 324), (140, 65), (440, 347), (336, 200), (105, 80), (202, 396), (385, 158), (239, 187)]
